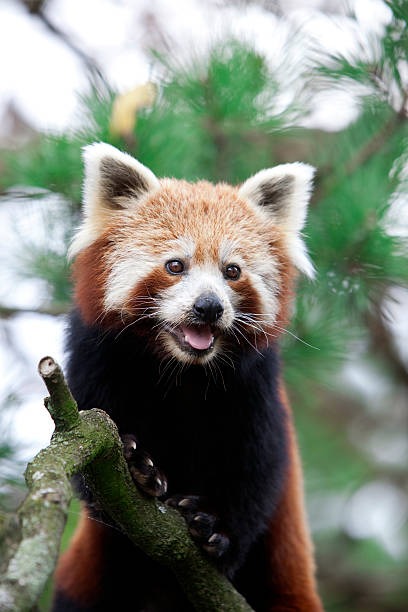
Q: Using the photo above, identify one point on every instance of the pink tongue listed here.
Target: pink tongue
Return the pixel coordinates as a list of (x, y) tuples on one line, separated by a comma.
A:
[(199, 337)]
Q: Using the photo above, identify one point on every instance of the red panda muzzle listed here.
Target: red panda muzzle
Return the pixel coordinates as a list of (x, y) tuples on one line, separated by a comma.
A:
[(193, 338)]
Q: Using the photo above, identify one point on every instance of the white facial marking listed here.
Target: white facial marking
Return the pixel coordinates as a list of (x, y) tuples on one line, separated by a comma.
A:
[(229, 252), (180, 248), (125, 274)]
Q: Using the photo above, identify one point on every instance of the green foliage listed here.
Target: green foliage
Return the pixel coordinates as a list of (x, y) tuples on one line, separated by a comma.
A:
[(205, 123), (379, 66), (53, 164)]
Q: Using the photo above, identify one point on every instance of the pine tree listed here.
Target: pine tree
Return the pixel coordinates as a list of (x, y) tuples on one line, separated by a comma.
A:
[(217, 118)]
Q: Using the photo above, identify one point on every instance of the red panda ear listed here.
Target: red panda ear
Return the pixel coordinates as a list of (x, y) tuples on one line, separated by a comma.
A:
[(284, 193), (114, 181)]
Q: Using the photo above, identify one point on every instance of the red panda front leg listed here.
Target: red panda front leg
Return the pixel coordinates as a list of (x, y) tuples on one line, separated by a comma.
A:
[(203, 526), (142, 468)]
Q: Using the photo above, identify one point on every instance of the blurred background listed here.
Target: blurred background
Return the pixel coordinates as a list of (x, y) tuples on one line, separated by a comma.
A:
[(219, 89)]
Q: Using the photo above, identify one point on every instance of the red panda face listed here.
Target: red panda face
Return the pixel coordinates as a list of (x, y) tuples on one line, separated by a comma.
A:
[(199, 269)]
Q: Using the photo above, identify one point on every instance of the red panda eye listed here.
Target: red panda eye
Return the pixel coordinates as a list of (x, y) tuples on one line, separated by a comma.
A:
[(232, 272), (175, 266)]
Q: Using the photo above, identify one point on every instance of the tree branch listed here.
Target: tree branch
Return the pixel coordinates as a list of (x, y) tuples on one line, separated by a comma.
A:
[(6, 312), (362, 155), (36, 7), (89, 442), (382, 343)]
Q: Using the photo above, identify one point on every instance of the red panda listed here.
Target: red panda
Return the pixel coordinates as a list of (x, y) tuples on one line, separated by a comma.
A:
[(181, 293)]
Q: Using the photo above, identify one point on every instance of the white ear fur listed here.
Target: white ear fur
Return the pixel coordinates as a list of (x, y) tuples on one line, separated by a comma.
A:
[(113, 181), (284, 192)]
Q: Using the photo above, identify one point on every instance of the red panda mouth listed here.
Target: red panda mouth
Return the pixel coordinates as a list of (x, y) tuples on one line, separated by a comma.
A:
[(193, 338)]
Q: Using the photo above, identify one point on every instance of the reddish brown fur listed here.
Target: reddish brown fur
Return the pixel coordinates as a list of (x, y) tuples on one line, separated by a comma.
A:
[(89, 295), (80, 568), (151, 286), (137, 307), (250, 303), (177, 210), (290, 550), (250, 300)]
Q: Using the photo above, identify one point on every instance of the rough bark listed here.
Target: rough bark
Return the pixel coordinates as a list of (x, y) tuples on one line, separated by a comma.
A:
[(89, 442)]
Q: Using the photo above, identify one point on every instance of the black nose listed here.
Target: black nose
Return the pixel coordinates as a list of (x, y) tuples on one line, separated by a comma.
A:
[(208, 308)]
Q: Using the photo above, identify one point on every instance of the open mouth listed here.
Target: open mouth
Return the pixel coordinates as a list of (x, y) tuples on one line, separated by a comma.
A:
[(194, 339)]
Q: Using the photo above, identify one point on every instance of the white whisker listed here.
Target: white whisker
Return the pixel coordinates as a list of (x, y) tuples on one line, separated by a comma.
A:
[(247, 321), (246, 339), (220, 373), (286, 331)]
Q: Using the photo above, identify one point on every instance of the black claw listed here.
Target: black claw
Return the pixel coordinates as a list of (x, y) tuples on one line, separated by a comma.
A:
[(216, 545), (201, 526), (186, 504), (150, 479), (129, 446)]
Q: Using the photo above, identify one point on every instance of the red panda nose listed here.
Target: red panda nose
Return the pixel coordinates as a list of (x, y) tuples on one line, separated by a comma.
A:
[(208, 308)]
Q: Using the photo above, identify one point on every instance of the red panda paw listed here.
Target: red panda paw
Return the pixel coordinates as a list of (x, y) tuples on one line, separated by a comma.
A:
[(203, 526), (142, 469)]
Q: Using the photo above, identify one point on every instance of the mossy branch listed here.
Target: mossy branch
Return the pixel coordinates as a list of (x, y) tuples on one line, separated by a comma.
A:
[(89, 442)]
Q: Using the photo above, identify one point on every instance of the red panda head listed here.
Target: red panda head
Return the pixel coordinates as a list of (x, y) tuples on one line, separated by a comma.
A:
[(197, 268)]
